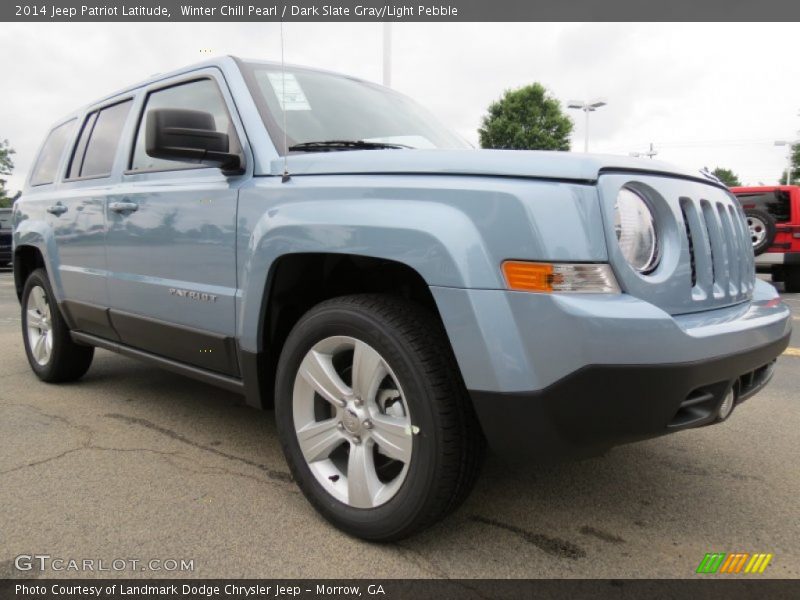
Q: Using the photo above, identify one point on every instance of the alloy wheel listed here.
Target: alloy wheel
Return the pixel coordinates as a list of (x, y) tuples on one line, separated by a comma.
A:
[(352, 422), (39, 325)]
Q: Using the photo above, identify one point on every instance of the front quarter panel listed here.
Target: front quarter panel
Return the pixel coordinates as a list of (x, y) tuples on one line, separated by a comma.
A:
[(454, 231)]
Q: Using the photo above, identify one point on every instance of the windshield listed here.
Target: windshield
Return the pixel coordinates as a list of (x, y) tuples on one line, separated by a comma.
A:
[(322, 107)]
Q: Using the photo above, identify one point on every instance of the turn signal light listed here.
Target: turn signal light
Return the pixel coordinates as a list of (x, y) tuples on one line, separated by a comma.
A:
[(524, 276)]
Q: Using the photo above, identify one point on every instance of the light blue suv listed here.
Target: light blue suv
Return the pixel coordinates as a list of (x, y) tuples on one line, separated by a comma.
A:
[(322, 245)]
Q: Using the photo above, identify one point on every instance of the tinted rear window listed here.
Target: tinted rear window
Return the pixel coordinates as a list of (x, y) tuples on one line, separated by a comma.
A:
[(44, 171), (5, 219), (776, 203), (97, 147), (80, 148)]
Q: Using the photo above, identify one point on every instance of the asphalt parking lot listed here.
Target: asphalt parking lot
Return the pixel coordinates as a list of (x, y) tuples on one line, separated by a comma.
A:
[(135, 462)]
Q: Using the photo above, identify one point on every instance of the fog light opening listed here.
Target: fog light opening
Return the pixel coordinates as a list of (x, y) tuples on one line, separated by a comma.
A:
[(726, 408)]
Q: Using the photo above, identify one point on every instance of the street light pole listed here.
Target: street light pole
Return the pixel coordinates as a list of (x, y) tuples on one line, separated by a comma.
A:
[(586, 107), (586, 132), (791, 147)]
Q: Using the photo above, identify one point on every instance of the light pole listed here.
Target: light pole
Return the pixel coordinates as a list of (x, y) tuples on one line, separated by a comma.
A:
[(789, 165), (586, 107)]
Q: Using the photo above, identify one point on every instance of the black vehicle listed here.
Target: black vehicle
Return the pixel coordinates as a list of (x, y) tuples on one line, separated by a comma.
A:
[(5, 237)]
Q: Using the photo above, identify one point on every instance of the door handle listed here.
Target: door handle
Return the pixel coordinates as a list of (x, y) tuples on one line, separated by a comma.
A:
[(123, 207), (57, 209)]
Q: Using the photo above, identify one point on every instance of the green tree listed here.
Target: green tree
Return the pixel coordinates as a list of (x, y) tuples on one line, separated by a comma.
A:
[(6, 167), (726, 176), (527, 118), (795, 167)]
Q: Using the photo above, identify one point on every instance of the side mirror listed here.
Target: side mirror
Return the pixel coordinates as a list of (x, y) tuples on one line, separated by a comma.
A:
[(188, 136)]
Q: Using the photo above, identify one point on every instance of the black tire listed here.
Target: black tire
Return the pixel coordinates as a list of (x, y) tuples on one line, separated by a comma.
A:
[(68, 361), (791, 281), (449, 446), (760, 219)]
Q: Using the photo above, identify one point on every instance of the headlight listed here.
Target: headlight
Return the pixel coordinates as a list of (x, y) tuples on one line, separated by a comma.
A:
[(636, 231)]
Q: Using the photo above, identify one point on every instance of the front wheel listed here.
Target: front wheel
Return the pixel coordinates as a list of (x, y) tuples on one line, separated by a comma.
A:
[(373, 416), (52, 354)]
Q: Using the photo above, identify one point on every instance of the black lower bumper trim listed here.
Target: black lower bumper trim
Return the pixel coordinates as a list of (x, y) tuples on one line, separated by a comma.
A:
[(600, 406)]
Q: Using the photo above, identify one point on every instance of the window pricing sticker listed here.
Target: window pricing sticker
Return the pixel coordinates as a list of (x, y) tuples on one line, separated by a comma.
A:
[(288, 91)]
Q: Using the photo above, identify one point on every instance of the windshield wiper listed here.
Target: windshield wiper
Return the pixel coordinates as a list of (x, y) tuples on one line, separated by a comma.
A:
[(335, 145)]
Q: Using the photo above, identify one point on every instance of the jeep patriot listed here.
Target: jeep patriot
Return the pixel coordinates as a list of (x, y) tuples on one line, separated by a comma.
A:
[(323, 246)]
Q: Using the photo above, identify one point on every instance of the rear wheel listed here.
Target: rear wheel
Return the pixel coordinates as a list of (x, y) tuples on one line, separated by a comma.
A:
[(52, 354), (373, 417), (762, 229)]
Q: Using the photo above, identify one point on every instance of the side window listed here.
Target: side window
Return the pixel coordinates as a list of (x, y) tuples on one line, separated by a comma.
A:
[(97, 146), (76, 162), (44, 171), (197, 95)]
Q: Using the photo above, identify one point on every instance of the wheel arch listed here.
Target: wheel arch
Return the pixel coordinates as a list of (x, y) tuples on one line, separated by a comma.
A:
[(27, 259), (298, 281)]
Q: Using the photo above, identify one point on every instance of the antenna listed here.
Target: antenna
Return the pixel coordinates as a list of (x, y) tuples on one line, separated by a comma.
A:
[(286, 177)]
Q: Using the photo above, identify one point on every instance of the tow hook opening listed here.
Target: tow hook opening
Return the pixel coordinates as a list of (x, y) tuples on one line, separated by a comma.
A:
[(714, 403), (726, 406)]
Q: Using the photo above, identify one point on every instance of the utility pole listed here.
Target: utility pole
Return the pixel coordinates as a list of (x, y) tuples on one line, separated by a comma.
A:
[(649, 153), (387, 54), (586, 107)]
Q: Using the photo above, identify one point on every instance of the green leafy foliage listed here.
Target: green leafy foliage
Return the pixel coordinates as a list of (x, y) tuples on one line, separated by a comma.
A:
[(527, 118), (727, 177), (795, 167), (6, 167)]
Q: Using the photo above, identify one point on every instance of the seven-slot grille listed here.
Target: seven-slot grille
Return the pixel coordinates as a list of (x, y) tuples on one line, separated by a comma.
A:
[(720, 251)]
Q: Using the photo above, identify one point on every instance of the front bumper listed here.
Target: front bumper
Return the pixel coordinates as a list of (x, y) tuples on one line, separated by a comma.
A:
[(574, 374), (601, 406)]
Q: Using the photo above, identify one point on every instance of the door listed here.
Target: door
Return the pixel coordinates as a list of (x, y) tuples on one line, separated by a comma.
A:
[(78, 217), (171, 242)]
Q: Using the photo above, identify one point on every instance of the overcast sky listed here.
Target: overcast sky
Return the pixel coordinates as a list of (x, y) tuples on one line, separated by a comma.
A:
[(704, 94)]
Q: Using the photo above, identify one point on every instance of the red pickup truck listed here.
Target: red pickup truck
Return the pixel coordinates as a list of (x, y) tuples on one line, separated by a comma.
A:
[(773, 216)]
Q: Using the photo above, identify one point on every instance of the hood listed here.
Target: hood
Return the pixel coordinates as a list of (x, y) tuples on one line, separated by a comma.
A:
[(535, 164)]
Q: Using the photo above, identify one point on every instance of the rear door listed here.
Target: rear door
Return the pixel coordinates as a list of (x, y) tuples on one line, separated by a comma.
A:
[(78, 215), (171, 242)]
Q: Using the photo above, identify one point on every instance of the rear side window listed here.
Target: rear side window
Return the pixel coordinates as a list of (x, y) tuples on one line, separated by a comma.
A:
[(97, 146), (44, 171), (776, 203), (200, 95)]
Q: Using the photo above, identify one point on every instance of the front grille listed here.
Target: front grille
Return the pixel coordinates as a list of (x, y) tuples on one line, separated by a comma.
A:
[(719, 247), (706, 254), (692, 263)]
